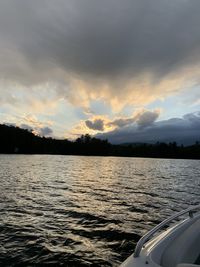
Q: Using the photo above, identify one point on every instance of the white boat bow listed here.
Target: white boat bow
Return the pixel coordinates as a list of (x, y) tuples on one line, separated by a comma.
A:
[(177, 246)]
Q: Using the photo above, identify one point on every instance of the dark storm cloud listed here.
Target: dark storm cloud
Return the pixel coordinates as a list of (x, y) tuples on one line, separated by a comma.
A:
[(147, 118), (42, 131), (184, 130), (121, 122), (43, 40), (45, 131), (97, 124), (142, 118), (26, 127)]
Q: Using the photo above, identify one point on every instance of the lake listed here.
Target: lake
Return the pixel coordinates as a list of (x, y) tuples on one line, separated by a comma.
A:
[(86, 211)]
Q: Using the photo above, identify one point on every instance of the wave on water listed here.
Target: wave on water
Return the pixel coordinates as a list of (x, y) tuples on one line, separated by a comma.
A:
[(86, 211)]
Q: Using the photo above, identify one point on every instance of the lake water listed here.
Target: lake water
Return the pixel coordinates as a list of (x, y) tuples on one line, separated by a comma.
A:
[(86, 211)]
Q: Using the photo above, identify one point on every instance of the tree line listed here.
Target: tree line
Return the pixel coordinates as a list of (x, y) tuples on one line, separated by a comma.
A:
[(14, 140)]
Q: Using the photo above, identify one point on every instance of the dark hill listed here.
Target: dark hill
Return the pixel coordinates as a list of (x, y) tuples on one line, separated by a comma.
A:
[(16, 140)]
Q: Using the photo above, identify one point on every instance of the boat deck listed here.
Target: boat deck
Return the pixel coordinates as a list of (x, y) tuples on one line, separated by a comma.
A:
[(185, 246)]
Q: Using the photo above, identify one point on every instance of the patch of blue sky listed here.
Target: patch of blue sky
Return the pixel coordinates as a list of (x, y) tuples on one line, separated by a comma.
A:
[(81, 114), (3, 109), (65, 114), (6, 116), (100, 107), (128, 110), (177, 105)]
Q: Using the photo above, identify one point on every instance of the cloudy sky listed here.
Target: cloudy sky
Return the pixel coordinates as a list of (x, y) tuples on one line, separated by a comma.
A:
[(125, 70)]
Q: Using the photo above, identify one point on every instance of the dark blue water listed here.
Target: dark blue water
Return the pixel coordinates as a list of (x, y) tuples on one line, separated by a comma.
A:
[(86, 211)]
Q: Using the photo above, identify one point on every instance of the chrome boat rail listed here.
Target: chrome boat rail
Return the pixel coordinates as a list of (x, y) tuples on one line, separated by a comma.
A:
[(150, 234)]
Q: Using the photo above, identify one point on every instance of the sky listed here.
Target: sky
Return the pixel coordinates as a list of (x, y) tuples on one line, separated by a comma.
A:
[(124, 70)]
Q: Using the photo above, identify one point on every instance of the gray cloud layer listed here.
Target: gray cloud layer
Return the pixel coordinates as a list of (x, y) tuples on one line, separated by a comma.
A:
[(147, 118), (41, 40), (42, 131), (142, 119), (45, 131), (97, 124), (184, 130)]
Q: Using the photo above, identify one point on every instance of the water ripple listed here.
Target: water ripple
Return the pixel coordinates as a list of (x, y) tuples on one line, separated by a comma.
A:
[(86, 211)]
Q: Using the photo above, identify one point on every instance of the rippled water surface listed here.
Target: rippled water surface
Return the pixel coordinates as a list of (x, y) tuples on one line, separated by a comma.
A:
[(86, 211)]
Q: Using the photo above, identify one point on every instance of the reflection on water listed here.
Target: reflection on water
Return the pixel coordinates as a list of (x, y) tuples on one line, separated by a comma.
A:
[(86, 211)]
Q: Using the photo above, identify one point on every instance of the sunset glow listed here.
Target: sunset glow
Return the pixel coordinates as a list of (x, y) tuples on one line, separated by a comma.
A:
[(72, 67)]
